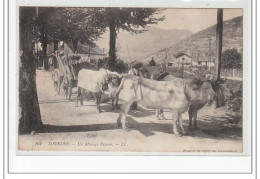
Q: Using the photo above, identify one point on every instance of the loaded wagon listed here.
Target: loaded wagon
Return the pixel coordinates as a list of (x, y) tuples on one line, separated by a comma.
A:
[(68, 67)]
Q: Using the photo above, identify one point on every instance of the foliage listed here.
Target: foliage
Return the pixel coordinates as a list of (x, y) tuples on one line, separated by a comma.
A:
[(234, 103), (120, 65), (152, 62), (78, 25), (231, 59), (133, 20), (66, 24), (137, 64)]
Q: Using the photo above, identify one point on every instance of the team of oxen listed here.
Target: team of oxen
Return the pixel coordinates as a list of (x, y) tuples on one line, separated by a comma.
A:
[(177, 95)]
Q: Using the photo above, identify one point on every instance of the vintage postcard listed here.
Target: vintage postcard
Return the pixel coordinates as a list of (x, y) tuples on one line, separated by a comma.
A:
[(146, 80)]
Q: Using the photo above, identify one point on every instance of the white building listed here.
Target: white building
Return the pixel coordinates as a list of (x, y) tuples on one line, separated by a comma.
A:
[(203, 61), (182, 60)]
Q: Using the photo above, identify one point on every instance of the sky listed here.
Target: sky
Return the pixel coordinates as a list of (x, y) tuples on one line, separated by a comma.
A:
[(193, 20)]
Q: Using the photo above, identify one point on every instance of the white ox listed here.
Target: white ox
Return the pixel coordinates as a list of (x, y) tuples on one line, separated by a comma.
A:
[(95, 82), (175, 95), (197, 103)]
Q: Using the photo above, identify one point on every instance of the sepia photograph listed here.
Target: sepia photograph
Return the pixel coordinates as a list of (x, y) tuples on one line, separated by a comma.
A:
[(121, 79)]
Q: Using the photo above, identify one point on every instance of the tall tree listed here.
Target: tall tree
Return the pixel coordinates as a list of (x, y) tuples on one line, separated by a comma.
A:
[(219, 35), (133, 20), (71, 25), (30, 118), (43, 30), (79, 26)]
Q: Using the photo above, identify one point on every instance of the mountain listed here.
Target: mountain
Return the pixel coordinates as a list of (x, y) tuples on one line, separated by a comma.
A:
[(140, 45), (198, 43)]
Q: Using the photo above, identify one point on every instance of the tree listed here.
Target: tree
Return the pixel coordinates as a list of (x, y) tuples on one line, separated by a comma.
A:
[(44, 28), (133, 20), (231, 59), (79, 26), (218, 44), (152, 62), (66, 24), (30, 118), (137, 64)]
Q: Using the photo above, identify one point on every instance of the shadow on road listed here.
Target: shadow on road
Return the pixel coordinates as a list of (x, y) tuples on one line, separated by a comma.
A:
[(78, 128), (147, 128), (55, 101), (224, 126), (211, 127)]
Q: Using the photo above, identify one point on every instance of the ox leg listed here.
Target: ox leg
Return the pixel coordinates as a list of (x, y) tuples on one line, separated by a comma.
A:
[(180, 123), (112, 105), (191, 110), (81, 96), (157, 111), (175, 116), (161, 114), (123, 113), (116, 99), (97, 100), (60, 81), (134, 106), (78, 96), (195, 118)]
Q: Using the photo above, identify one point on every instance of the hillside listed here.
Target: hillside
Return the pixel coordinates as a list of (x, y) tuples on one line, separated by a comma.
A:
[(198, 44), (140, 45)]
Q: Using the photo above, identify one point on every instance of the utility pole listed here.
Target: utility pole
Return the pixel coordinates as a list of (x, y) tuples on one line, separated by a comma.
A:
[(210, 54), (218, 44), (165, 62)]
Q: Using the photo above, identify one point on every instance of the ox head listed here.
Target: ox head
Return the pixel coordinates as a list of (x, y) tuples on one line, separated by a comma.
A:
[(112, 83), (203, 91), (103, 85), (222, 92)]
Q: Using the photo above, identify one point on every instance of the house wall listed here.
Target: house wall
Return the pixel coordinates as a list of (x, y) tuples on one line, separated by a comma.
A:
[(183, 60), (194, 63), (203, 63)]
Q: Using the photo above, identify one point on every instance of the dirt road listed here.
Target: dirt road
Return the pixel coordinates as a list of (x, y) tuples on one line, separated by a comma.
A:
[(70, 128)]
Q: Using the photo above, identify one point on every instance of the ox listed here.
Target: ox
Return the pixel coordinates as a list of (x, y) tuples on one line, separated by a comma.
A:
[(57, 79), (174, 95), (113, 86), (95, 82), (221, 93)]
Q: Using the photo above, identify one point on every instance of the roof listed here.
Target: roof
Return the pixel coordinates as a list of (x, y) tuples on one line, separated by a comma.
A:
[(203, 59), (171, 61), (182, 54), (84, 49)]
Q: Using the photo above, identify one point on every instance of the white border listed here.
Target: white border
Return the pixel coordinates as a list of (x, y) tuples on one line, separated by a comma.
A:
[(168, 164)]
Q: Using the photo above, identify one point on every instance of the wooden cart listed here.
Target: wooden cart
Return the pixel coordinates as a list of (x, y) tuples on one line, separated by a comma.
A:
[(69, 67)]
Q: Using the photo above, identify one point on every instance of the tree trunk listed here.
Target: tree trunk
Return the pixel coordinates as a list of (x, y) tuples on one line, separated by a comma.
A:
[(112, 47), (55, 45), (44, 51), (75, 45), (29, 111), (44, 42), (218, 44)]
